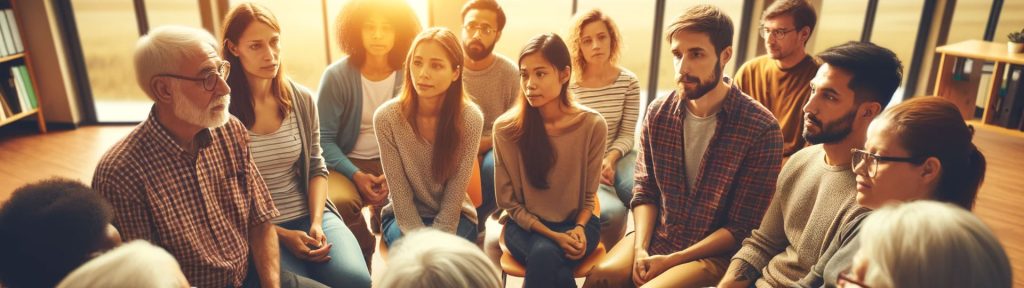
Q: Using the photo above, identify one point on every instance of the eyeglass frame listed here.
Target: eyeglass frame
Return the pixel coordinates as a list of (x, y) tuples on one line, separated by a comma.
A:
[(779, 34), (873, 171), (470, 28), (213, 74)]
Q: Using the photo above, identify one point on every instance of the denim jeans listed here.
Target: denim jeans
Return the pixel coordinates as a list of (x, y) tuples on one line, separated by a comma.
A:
[(546, 264), (391, 232), (488, 205), (346, 267), (615, 200)]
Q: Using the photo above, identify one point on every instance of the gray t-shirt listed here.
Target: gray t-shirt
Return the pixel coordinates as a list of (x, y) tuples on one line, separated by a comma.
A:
[(697, 132), (494, 89)]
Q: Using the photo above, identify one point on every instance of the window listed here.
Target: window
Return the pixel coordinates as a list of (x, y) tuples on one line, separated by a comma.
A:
[(895, 20), (840, 22)]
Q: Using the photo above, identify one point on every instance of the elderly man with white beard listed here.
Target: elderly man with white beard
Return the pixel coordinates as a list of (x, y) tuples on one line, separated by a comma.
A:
[(184, 179)]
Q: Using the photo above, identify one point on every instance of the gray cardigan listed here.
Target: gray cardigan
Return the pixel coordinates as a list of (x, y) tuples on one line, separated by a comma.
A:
[(313, 164)]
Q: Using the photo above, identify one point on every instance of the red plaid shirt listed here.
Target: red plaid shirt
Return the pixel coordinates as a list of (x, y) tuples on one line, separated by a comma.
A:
[(736, 180), (198, 207)]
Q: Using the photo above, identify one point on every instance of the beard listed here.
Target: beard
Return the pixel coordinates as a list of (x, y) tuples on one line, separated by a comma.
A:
[(703, 87), (204, 117), (476, 49), (831, 132)]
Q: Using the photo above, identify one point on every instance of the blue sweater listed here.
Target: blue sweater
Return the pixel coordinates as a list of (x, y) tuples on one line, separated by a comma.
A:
[(340, 105)]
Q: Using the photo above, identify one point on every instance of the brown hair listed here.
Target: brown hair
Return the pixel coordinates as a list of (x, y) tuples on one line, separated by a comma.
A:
[(486, 5), (575, 35), (235, 24), (349, 28), (801, 11), (707, 19), (527, 125), (450, 124), (933, 127)]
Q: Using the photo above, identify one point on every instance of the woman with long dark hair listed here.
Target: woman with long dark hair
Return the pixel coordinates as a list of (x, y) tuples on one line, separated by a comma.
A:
[(548, 152), (285, 141)]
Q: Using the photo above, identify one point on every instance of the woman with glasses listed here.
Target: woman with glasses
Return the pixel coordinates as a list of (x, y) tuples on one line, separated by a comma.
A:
[(376, 35), (285, 142), (613, 91), (917, 150)]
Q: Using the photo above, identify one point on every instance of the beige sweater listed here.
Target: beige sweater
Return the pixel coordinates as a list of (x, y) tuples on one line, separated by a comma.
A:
[(406, 159), (573, 179), (812, 203)]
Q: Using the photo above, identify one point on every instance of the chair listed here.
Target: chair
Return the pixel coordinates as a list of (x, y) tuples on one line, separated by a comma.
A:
[(509, 265), (474, 191)]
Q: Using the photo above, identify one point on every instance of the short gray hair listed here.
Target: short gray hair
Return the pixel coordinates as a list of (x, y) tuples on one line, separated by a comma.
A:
[(160, 50), (136, 264), (931, 244), (432, 259)]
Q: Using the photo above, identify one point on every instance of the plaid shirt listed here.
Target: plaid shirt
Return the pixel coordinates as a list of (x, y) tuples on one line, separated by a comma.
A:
[(198, 207), (736, 180)]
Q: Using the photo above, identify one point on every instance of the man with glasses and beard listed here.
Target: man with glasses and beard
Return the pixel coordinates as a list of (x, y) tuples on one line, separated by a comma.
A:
[(816, 193), (492, 80), (706, 167), (184, 179)]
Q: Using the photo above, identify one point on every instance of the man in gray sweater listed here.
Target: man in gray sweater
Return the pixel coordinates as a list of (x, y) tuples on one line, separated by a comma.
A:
[(816, 191), (492, 80)]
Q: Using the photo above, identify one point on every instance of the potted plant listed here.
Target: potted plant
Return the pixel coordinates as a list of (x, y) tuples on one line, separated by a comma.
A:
[(1016, 43)]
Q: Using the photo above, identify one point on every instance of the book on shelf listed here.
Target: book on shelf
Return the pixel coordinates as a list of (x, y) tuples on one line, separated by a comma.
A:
[(4, 110), (30, 91), (19, 88), (5, 36), (10, 94), (15, 33), (1012, 103)]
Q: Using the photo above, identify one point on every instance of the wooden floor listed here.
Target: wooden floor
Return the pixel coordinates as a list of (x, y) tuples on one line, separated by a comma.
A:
[(26, 156)]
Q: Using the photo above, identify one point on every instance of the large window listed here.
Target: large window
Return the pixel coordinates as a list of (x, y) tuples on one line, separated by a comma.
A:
[(526, 19), (894, 21)]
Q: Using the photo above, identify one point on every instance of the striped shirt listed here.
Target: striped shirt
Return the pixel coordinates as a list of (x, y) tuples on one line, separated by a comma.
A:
[(198, 207), (736, 179), (277, 154), (619, 104)]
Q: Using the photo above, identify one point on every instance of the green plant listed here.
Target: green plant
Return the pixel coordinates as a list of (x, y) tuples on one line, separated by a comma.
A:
[(1016, 36)]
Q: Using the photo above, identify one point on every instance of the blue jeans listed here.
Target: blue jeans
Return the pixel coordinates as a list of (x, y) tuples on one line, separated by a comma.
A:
[(615, 200), (546, 264), (624, 181), (391, 232), (488, 205), (346, 267)]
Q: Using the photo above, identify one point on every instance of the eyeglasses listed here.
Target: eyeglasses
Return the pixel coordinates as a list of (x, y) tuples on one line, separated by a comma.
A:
[(849, 282), (779, 34), (870, 161), (210, 81), (485, 30)]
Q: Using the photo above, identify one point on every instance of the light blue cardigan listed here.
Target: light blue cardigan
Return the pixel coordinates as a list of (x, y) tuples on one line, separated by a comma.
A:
[(340, 105)]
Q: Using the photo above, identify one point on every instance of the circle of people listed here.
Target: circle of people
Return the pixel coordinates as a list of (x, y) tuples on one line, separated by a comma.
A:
[(791, 173)]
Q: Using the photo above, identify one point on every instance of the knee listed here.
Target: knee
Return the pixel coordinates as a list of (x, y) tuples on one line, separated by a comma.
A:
[(355, 276), (348, 202), (543, 250)]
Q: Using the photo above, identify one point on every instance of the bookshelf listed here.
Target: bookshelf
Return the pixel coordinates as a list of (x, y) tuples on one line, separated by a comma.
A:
[(19, 89), (958, 80)]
